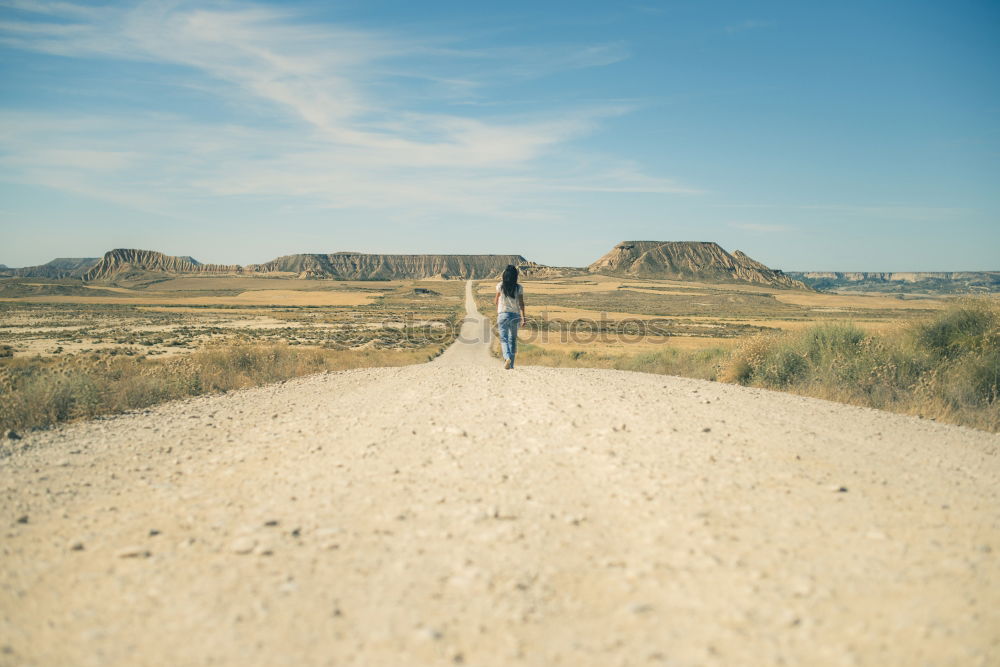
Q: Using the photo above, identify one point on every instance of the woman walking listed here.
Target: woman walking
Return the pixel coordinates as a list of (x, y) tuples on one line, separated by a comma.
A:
[(510, 313)]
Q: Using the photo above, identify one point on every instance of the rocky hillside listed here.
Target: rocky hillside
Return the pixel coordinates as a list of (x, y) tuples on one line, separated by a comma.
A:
[(61, 267), (362, 266), (134, 264), (947, 282), (687, 260), (124, 262)]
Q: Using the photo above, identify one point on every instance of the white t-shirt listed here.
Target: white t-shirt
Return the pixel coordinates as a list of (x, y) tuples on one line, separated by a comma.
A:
[(507, 304)]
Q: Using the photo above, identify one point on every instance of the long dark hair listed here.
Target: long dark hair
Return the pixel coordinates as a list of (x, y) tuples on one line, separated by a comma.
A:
[(509, 284)]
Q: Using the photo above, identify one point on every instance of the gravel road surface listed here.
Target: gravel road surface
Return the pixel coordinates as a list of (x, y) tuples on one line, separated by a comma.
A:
[(456, 513)]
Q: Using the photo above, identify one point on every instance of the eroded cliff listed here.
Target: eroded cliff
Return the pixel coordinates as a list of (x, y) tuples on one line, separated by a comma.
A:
[(362, 266), (126, 261), (688, 260)]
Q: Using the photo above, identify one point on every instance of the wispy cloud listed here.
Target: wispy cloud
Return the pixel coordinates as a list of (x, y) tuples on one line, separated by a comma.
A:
[(901, 212), (309, 114), (524, 62)]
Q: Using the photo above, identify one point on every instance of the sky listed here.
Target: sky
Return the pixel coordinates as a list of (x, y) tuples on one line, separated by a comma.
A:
[(849, 135)]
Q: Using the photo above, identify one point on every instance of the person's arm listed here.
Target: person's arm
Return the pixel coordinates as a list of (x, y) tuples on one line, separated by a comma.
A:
[(520, 304), (496, 299)]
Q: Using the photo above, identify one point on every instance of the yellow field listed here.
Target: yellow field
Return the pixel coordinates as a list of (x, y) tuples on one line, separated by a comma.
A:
[(842, 301), (254, 298), (873, 325), (593, 283), (120, 290), (596, 283), (700, 315), (697, 315), (296, 298), (188, 313), (202, 283), (569, 314)]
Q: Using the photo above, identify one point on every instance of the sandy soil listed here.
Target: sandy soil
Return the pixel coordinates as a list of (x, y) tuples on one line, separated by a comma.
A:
[(457, 513)]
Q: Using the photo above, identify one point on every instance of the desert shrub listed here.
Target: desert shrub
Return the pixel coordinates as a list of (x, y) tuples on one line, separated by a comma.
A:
[(973, 379), (781, 366), (825, 344), (744, 361), (972, 325), (840, 351), (947, 367)]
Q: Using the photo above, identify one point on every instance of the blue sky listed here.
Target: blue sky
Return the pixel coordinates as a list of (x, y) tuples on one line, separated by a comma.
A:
[(827, 136)]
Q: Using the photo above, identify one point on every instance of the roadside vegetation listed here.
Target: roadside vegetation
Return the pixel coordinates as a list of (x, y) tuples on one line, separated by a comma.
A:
[(946, 367), (60, 362), (36, 392), (64, 360)]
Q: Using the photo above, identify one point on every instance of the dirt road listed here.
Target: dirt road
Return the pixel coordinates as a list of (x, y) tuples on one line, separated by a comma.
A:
[(457, 513)]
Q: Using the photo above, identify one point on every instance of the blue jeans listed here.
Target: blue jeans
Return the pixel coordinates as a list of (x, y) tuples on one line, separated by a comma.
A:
[(507, 324)]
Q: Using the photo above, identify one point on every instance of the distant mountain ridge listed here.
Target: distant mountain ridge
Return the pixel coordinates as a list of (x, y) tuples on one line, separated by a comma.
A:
[(704, 261), (688, 260), (364, 266), (673, 260), (130, 263), (61, 267), (945, 282), (125, 261)]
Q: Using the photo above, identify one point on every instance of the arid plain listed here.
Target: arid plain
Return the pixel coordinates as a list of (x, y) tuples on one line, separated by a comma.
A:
[(581, 313), (265, 452), (600, 314), (457, 513), (187, 313)]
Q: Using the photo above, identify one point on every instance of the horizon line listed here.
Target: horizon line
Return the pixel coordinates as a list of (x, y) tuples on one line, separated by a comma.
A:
[(481, 254)]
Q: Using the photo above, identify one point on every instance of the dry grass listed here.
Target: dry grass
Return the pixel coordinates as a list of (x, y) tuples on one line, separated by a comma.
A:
[(945, 368), (82, 359), (702, 364), (36, 393), (629, 297), (858, 301), (615, 345), (382, 314), (274, 297), (546, 311), (242, 283), (229, 291)]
